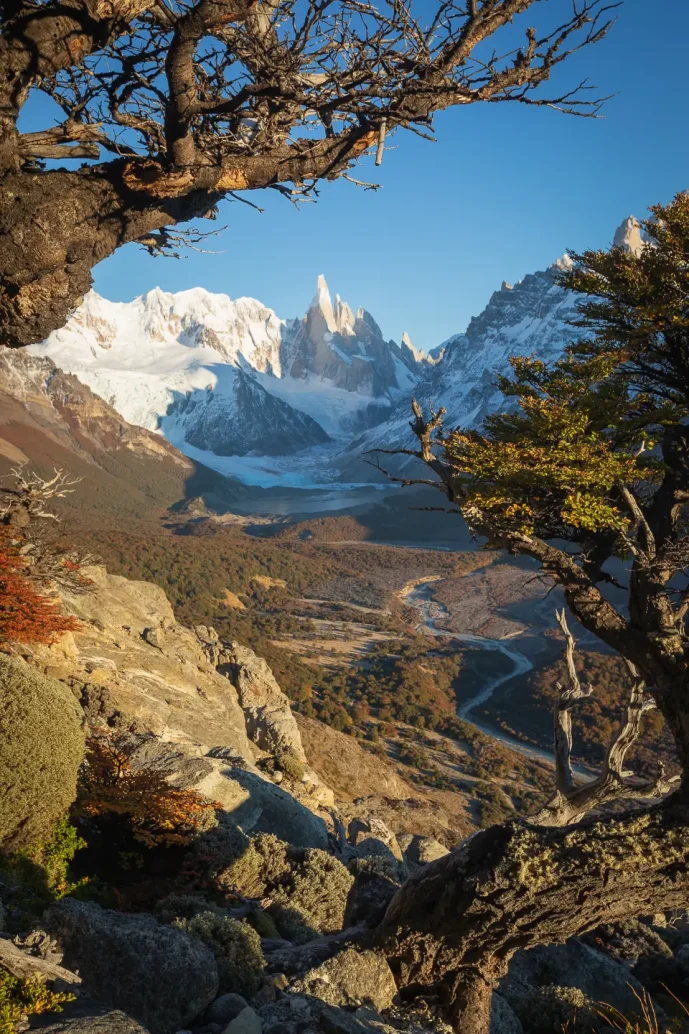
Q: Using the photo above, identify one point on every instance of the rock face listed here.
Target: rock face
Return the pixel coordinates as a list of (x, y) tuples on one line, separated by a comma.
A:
[(252, 802), (131, 656), (247, 419), (269, 719), (158, 974)]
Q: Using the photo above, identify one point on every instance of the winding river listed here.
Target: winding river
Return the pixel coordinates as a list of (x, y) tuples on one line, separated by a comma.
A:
[(418, 594)]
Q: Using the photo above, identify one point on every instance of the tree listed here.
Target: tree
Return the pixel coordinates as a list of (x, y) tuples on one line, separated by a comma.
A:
[(154, 813), (176, 105), (591, 464)]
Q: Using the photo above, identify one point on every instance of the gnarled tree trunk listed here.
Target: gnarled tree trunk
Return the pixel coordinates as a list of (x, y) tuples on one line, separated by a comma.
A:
[(55, 226), (453, 927)]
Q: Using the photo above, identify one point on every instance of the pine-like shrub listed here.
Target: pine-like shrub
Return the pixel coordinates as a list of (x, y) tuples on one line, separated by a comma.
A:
[(41, 749), (237, 949)]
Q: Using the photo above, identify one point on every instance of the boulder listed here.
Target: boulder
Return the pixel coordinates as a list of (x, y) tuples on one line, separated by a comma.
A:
[(247, 1022), (269, 719), (158, 974), (369, 897), (351, 978), (420, 851), (113, 1022), (372, 838), (503, 1018), (225, 1008), (573, 964)]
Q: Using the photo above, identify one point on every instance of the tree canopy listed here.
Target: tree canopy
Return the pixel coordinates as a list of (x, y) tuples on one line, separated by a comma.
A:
[(176, 104)]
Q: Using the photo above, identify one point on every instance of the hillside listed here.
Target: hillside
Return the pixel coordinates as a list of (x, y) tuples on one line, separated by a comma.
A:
[(49, 419)]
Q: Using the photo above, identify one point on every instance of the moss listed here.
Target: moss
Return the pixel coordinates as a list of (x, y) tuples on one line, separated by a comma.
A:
[(628, 941), (41, 749), (184, 906), (261, 864), (288, 762), (237, 949), (22, 997)]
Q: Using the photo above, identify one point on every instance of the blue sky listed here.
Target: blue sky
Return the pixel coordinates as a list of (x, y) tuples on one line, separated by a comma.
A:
[(504, 191)]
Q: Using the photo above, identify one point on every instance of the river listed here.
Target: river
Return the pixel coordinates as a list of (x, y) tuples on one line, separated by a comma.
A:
[(418, 594)]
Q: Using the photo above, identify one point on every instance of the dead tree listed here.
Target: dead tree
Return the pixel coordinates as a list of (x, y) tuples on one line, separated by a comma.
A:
[(177, 104)]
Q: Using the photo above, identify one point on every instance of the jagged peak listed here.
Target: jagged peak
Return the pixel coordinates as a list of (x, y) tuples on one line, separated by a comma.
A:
[(504, 286), (322, 303), (418, 354), (628, 235)]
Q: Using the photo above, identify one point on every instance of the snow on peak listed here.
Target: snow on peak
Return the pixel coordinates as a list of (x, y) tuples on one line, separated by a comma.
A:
[(628, 236)]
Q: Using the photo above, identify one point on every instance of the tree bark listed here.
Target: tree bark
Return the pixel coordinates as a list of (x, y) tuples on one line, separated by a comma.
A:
[(56, 226), (452, 928)]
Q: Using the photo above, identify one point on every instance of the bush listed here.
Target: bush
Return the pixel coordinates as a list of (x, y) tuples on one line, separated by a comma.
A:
[(154, 813), (41, 749), (39, 875), (26, 616), (20, 997), (553, 1009), (316, 886), (259, 863), (237, 949)]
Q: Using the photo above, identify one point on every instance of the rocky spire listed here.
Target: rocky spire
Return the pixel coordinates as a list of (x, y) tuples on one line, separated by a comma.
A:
[(628, 236), (323, 305)]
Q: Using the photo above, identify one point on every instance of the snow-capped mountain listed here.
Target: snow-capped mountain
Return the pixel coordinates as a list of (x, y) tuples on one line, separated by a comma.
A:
[(230, 377), (232, 385), (530, 318)]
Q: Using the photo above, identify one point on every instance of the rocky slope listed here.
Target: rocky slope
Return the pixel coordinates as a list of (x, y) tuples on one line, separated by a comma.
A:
[(50, 419)]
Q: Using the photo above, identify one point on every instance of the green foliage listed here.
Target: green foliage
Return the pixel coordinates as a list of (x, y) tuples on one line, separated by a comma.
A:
[(41, 749), (287, 762), (585, 425), (22, 997), (236, 946), (39, 875)]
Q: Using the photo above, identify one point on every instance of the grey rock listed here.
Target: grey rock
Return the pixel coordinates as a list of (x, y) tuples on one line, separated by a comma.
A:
[(503, 1019), (259, 806), (351, 978), (269, 719), (247, 1022), (158, 974), (420, 851), (113, 1022), (225, 1008), (372, 838), (368, 899), (573, 964)]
